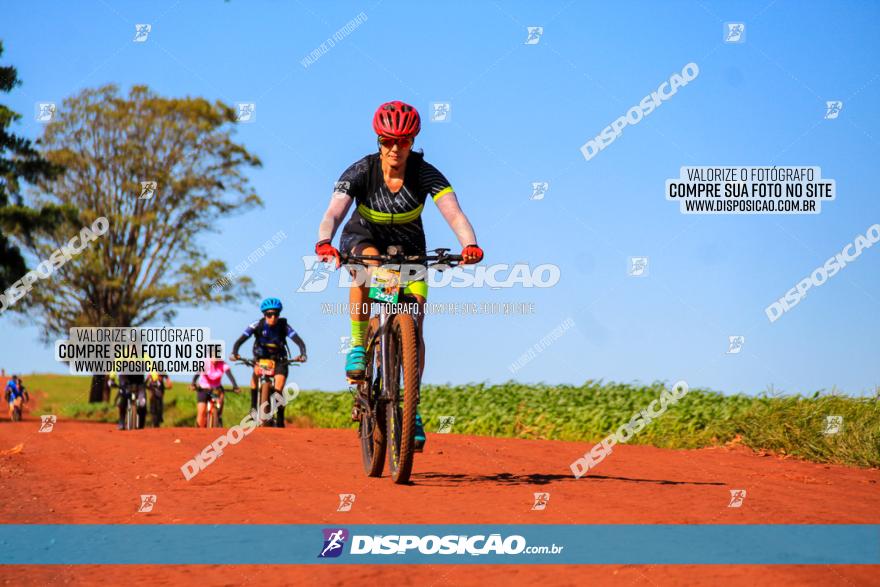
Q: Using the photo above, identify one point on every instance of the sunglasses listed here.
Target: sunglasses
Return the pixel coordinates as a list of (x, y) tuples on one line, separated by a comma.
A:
[(389, 142), (270, 314)]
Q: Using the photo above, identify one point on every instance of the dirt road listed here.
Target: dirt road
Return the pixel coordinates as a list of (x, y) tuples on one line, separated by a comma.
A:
[(91, 473)]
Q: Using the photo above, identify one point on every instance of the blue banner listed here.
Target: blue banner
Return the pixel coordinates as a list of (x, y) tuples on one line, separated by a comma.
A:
[(72, 544)]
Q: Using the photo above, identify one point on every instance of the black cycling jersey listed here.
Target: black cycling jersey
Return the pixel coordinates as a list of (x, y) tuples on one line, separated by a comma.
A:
[(383, 217), (365, 182), (137, 379)]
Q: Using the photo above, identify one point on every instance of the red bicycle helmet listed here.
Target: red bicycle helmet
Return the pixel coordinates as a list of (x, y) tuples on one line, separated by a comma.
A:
[(396, 120)]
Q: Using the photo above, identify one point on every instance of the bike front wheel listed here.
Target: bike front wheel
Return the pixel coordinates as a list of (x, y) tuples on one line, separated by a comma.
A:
[(266, 388), (213, 421), (401, 379), (131, 419)]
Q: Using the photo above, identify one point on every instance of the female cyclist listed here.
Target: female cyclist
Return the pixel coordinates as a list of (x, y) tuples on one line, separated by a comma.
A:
[(390, 188), (270, 342), (211, 378)]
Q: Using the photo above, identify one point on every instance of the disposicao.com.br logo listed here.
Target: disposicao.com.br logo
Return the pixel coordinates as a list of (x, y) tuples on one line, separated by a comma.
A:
[(334, 540), (430, 544)]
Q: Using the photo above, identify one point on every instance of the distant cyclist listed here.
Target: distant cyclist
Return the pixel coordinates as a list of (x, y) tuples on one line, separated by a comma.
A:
[(390, 188), (211, 379), (15, 394), (270, 342), (132, 388), (157, 383)]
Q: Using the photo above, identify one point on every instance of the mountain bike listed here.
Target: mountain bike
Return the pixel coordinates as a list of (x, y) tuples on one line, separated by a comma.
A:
[(135, 411), (214, 407), (388, 397), (266, 381)]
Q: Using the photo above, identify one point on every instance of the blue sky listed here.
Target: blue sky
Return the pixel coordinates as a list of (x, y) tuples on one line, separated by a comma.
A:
[(520, 114)]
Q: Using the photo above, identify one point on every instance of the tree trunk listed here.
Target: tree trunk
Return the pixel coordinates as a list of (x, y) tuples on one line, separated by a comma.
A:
[(99, 385)]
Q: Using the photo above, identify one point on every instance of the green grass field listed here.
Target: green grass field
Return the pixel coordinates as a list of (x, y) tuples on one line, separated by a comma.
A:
[(791, 425)]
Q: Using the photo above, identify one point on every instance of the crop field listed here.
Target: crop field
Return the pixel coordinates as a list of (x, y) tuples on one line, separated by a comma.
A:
[(784, 425)]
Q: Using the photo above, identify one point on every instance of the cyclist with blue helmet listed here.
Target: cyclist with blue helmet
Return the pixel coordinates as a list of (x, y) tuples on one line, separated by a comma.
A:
[(270, 342), (16, 394)]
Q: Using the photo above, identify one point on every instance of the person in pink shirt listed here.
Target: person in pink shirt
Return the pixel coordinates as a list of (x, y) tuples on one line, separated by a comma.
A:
[(211, 378)]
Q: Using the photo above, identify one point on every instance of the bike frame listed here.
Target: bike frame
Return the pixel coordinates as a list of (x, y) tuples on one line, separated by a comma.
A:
[(395, 257), (382, 338)]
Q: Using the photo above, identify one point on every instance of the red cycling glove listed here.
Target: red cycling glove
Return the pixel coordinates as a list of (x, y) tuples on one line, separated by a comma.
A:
[(326, 252), (471, 254)]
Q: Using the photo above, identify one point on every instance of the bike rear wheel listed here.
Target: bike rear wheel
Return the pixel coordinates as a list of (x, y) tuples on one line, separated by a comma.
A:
[(372, 427), (402, 381)]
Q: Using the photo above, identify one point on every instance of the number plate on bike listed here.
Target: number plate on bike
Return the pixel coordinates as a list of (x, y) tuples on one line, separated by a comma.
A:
[(267, 367), (385, 285)]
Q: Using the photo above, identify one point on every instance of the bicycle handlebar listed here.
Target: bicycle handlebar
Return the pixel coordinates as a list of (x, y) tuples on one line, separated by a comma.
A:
[(234, 389), (252, 362), (440, 257)]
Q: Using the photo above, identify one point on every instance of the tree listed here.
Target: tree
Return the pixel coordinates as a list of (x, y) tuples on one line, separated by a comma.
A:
[(19, 160), (148, 263)]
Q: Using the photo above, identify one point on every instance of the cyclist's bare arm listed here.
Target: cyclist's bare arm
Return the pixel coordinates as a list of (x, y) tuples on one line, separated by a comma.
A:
[(455, 218), (336, 211)]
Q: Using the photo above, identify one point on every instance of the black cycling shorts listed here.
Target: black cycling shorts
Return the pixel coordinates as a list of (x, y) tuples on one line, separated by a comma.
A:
[(359, 232), (202, 395)]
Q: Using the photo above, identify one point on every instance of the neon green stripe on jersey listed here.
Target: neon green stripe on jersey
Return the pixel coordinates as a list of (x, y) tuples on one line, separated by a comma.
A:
[(377, 217)]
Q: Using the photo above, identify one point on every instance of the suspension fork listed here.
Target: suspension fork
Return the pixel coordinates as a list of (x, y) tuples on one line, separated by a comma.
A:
[(385, 318)]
